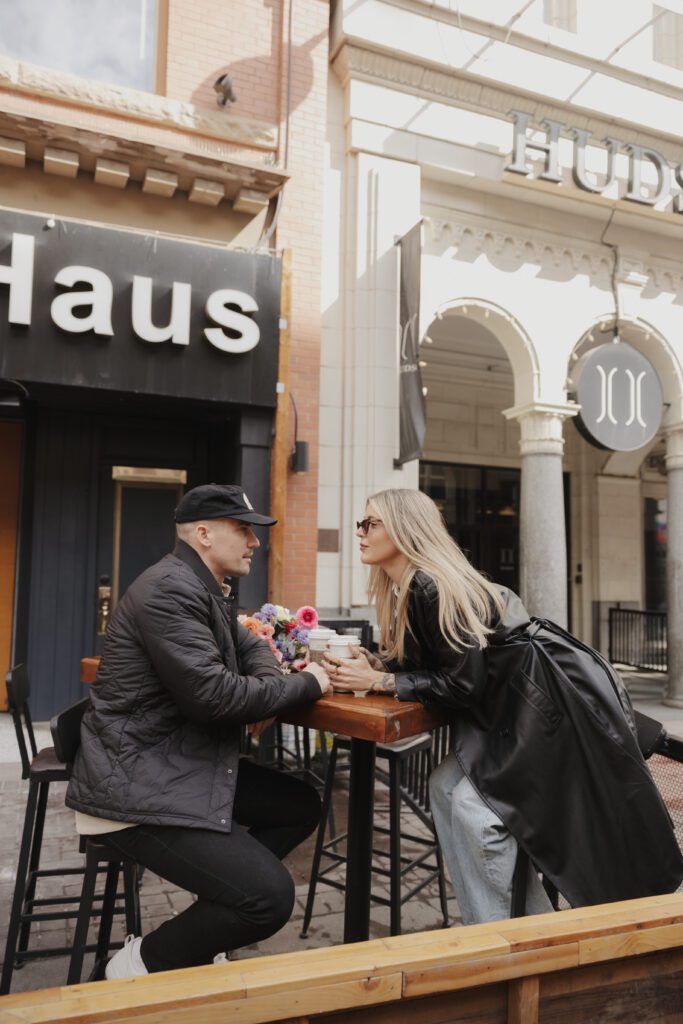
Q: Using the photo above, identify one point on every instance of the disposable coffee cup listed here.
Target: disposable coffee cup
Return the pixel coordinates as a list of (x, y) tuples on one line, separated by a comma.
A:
[(317, 643), (342, 647)]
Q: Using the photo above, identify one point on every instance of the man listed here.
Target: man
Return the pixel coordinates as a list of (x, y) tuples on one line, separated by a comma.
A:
[(157, 773)]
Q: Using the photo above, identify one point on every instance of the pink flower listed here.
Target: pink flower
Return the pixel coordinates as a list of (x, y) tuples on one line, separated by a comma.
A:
[(307, 617), (266, 630)]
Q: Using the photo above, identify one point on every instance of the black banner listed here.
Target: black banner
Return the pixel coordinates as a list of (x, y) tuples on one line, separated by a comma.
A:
[(412, 403)]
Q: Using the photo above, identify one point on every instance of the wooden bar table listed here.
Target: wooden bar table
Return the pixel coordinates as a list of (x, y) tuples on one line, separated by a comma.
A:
[(367, 721)]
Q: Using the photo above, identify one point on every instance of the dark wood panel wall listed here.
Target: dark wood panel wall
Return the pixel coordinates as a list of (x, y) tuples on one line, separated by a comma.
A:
[(60, 590), (71, 518)]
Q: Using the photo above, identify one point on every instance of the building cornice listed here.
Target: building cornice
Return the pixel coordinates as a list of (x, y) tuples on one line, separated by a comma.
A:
[(471, 93), (72, 125), (549, 252), (31, 81)]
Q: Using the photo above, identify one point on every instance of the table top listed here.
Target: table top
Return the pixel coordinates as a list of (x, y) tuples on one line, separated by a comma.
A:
[(376, 718)]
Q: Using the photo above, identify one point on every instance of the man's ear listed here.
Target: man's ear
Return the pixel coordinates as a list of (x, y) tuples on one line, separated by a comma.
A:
[(202, 533)]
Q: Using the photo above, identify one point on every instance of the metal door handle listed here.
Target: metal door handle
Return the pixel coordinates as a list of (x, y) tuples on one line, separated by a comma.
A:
[(103, 605)]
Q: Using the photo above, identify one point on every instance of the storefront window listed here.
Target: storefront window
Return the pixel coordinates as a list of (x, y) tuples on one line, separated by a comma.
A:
[(93, 38), (560, 14), (654, 521), (481, 508), (667, 37)]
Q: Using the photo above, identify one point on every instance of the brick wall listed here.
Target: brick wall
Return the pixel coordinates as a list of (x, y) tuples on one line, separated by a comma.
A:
[(300, 229), (248, 40), (241, 37)]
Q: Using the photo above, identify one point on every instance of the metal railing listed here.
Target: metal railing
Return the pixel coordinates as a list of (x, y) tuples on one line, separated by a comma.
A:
[(638, 638)]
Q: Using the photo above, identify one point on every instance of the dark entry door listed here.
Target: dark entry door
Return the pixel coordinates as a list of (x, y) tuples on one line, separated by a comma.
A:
[(135, 529)]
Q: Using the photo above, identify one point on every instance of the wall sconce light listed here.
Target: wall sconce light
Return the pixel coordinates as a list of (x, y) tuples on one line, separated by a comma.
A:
[(299, 461), (299, 457), (9, 398), (225, 94)]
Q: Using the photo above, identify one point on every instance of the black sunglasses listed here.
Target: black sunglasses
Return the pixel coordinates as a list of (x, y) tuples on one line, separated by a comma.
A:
[(364, 525)]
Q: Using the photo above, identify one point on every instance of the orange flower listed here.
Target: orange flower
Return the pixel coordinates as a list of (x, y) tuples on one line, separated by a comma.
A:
[(253, 625)]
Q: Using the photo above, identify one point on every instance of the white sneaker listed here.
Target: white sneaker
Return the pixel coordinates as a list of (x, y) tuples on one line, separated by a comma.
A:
[(126, 962), (224, 958)]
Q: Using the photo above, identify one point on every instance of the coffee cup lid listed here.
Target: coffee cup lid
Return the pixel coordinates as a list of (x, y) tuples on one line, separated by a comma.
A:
[(344, 639), (320, 633)]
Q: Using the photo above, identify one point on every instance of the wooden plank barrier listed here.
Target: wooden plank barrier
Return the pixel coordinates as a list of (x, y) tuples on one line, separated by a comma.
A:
[(620, 962)]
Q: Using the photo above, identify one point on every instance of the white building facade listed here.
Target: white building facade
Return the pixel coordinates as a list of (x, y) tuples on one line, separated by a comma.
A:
[(540, 145)]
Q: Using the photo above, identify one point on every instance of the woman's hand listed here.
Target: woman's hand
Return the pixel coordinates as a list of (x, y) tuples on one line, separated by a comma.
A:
[(373, 660), (354, 673)]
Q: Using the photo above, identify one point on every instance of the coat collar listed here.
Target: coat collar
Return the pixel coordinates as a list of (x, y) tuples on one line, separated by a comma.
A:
[(189, 556)]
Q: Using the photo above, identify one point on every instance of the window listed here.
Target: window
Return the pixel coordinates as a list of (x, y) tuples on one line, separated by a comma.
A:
[(112, 42), (560, 14), (654, 528), (667, 37)]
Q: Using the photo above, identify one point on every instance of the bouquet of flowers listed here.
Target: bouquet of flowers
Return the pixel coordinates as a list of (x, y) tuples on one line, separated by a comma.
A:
[(286, 634)]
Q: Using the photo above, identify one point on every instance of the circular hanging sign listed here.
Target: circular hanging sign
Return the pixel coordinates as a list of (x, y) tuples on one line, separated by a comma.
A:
[(620, 397)]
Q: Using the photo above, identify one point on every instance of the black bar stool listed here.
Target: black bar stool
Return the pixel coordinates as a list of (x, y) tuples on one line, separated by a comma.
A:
[(40, 768), (66, 734), (409, 764)]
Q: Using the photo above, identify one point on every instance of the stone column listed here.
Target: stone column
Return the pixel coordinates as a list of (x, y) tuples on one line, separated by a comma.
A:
[(543, 544), (674, 564)]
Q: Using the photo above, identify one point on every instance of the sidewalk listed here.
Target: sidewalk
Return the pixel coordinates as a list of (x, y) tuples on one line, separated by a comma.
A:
[(160, 899)]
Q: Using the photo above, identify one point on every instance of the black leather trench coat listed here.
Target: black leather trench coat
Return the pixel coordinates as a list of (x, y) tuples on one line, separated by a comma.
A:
[(544, 730)]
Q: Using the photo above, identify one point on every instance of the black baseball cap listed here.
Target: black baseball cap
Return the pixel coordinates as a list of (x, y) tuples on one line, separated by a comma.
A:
[(219, 501)]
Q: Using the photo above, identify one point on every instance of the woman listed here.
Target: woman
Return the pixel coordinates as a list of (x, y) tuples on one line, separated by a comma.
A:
[(538, 756)]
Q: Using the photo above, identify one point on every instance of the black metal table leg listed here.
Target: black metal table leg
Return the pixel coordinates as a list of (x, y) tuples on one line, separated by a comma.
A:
[(359, 842)]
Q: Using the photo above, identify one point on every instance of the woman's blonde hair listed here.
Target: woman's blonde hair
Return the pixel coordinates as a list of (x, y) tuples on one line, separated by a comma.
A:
[(466, 597)]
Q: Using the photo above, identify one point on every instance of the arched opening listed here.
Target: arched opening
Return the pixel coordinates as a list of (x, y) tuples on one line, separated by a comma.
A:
[(470, 463)]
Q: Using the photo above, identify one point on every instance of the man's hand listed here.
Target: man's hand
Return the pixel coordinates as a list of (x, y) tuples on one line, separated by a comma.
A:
[(321, 675), (256, 728)]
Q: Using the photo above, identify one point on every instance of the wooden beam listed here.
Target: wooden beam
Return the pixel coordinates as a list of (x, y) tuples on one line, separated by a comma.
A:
[(523, 1001), (466, 975), (280, 451)]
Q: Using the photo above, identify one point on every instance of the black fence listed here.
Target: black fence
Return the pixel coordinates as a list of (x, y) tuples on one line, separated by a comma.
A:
[(638, 638)]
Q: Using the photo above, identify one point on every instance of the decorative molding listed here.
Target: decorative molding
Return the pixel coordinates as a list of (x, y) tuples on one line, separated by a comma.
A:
[(459, 89), (30, 80), (595, 262), (674, 447), (13, 152), (519, 248), (541, 426)]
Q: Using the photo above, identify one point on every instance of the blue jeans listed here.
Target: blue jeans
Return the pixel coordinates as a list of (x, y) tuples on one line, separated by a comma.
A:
[(479, 851)]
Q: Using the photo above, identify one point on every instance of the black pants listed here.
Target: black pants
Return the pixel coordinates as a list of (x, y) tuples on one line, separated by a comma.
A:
[(244, 892)]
